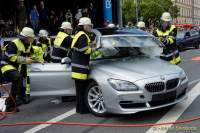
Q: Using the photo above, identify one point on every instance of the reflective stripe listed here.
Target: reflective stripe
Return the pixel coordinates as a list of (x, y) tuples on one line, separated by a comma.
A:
[(89, 51), (79, 76), (9, 55), (80, 66), (59, 39), (55, 57), (13, 58), (7, 68), (4, 62), (171, 40), (21, 59), (65, 49), (28, 87), (171, 54), (172, 37), (82, 49)]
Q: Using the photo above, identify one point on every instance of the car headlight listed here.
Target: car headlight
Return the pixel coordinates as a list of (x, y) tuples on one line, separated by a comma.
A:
[(183, 76), (121, 85)]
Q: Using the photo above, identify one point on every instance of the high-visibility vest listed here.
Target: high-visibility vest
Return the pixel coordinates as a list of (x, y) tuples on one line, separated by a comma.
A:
[(59, 39), (80, 58), (20, 49), (87, 49), (38, 54), (171, 52), (60, 48)]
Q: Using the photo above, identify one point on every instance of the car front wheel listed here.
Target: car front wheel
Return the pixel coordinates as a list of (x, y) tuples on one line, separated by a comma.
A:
[(94, 100)]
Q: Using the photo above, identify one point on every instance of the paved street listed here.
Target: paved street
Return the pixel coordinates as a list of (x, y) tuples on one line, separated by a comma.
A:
[(42, 110)]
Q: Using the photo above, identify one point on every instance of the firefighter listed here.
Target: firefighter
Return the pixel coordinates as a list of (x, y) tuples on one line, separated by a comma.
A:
[(37, 54), (45, 43), (15, 54), (81, 51), (62, 43), (141, 25), (166, 33)]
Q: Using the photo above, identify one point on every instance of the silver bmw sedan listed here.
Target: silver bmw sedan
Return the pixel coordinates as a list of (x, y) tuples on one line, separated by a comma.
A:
[(127, 76)]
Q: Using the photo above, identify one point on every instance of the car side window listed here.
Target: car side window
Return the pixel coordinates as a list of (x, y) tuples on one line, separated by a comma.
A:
[(194, 33)]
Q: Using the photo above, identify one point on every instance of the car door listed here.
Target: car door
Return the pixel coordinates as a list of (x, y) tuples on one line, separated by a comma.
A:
[(188, 40), (51, 79), (195, 37)]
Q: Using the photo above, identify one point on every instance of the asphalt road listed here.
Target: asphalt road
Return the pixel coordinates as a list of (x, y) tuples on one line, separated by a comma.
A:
[(43, 109)]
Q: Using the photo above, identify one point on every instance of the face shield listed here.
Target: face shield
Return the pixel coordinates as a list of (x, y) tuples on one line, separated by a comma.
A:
[(165, 25)]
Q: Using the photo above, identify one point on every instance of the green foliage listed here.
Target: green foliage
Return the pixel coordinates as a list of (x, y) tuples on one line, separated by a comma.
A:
[(150, 10)]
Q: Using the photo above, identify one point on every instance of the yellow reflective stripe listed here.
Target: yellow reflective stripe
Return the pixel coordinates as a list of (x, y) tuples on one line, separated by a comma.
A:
[(13, 58), (59, 39), (88, 51), (79, 76), (171, 41), (7, 68), (28, 88)]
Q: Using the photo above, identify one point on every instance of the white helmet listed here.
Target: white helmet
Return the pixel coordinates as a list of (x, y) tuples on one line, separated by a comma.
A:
[(141, 24), (43, 33), (27, 32), (66, 25), (166, 16), (85, 21), (111, 25)]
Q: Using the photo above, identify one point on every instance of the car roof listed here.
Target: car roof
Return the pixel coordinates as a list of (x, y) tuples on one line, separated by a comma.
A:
[(121, 31)]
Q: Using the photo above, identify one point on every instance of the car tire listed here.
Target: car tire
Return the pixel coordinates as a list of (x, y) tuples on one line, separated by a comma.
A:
[(94, 100)]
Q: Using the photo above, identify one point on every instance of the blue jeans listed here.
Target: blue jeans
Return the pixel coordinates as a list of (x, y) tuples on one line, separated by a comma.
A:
[(34, 24)]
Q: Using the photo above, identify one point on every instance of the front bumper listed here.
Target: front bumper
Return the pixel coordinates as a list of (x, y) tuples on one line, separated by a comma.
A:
[(132, 102)]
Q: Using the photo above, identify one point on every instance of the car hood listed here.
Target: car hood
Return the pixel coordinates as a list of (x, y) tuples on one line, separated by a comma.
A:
[(135, 68)]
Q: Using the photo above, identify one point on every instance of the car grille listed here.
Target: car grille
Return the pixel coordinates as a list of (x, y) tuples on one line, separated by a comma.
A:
[(172, 83), (155, 87)]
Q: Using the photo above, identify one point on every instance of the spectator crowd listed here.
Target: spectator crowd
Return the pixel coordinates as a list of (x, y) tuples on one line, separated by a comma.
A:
[(40, 17)]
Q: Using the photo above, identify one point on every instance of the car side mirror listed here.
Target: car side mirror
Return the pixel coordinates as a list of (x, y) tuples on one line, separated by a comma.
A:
[(66, 60)]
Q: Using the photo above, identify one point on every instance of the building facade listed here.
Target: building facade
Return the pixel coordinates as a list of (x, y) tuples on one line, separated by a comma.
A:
[(196, 12), (186, 11)]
